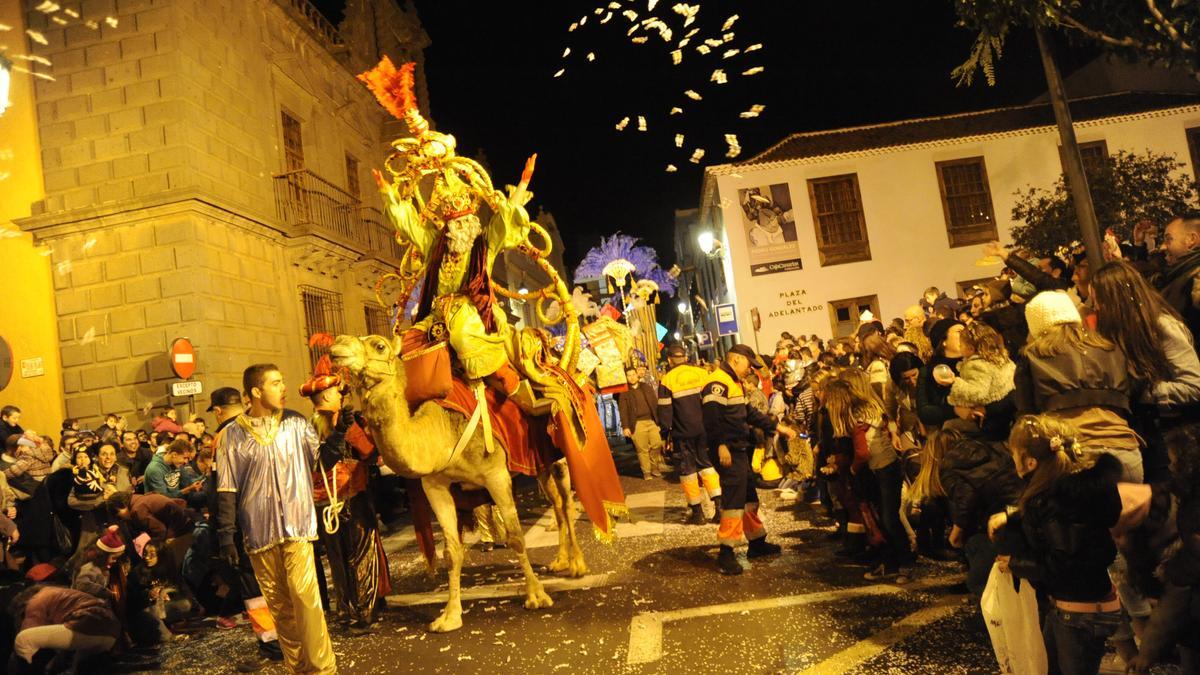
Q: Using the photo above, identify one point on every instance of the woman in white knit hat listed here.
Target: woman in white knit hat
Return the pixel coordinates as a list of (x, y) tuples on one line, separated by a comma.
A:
[(1077, 376)]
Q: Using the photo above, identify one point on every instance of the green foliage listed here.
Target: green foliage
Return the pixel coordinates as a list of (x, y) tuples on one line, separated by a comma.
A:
[(1157, 31), (1126, 188)]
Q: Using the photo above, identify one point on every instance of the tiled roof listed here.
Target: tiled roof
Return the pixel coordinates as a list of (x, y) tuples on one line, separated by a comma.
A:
[(853, 139)]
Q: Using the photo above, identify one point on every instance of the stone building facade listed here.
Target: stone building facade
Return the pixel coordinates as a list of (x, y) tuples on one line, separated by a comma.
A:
[(207, 175)]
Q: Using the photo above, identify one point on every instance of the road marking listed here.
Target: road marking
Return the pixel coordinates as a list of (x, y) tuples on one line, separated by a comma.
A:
[(865, 650), (515, 589), (646, 515), (646, 629)]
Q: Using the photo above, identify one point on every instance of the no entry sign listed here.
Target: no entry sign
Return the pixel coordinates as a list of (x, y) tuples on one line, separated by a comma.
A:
[(183, 358)]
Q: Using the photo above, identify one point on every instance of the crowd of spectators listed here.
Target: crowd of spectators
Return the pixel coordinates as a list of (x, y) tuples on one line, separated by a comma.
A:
[(1046, 424)]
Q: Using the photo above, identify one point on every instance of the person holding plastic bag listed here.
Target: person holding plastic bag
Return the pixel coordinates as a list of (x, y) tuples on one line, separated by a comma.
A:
[(1062, 520), (1012, 623)]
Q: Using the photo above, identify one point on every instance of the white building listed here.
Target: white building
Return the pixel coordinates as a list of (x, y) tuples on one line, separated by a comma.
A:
[(873, 215)]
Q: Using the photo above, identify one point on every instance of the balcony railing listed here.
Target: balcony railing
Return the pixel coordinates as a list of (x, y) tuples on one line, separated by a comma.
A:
[(307, 202), (315, 21)]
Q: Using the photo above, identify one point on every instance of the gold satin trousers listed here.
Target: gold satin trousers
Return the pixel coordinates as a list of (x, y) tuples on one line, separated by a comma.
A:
[(287, 575)]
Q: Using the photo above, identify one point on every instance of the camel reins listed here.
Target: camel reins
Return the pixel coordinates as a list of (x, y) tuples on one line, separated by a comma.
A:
[(480, 413)]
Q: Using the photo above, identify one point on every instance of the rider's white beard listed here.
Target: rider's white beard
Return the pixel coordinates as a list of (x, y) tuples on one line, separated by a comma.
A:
[(461, 233)]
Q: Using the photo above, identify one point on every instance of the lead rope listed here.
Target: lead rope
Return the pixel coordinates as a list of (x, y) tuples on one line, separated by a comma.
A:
[(329, 514)]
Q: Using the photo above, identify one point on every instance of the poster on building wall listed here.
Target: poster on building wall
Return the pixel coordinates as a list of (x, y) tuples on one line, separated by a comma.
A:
[(770, 229)]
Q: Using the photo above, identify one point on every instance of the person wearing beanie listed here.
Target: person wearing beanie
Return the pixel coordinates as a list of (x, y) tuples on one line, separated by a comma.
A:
[(1077, 376), (932, 406)]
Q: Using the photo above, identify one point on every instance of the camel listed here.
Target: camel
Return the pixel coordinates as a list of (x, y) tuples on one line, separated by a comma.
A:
[(421, 444)]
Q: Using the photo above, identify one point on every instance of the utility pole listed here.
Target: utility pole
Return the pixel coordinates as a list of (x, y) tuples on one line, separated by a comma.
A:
[(1072, 163)]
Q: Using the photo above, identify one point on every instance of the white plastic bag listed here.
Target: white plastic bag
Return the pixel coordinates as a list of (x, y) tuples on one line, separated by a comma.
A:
[(1012, 623)]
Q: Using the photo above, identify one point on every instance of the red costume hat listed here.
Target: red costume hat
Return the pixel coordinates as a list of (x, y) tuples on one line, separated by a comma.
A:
[(111, 541)]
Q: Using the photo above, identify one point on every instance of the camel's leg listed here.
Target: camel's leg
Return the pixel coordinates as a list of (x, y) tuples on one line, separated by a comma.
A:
[(499, 485), (576, 566), (442, 503), (561, 561)]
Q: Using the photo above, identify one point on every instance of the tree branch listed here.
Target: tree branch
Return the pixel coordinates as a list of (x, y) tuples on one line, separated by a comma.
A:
[(1168, 26), (1071, 22)]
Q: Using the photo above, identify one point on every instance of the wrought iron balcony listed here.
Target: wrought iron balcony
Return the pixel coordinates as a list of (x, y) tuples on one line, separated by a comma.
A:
[(308, 203)]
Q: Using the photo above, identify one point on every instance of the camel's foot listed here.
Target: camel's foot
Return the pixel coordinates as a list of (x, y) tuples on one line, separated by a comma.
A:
[(573, 565), (448, 621), (536, 597), (577, 567), (560, 563)]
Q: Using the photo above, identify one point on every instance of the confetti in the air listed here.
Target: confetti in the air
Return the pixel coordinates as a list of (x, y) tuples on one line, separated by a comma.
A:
[(714, 43), (37, 37), (591, 56), (692, 94), (719, 76), (735, 147), (566, 52), (560, 72), (622, 124), (671, 168), (89, 336), (71, 13), (573, 26), (59, 20), (607, 17), (641, 123), (730, 53), (697, 155), (728, 37), (753, 111), (9, 234), (48, 7), (703, 49), (650, 5), (754, 47), (753, 71), (32, 57), (640, 40), (63, 267), (111, 21), (729, 23), (676, 110), (89, 244), (677, 56), (679, 140)]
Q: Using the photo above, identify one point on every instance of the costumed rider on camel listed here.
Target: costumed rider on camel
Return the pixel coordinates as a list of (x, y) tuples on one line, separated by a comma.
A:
[(456, 301)]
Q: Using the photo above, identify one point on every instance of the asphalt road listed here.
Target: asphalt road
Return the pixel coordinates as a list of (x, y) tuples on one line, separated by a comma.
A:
[(653, 603)]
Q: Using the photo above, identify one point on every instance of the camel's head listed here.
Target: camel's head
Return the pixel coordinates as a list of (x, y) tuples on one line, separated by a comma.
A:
[(369, 359)]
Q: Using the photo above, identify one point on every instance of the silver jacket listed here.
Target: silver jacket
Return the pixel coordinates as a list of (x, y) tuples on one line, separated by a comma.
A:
[(273, 481)]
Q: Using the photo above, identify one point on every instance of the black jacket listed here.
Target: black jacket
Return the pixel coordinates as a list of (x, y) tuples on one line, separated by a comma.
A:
[(728, 416), (932, 408), (979, 479), (1009, 321), (1074, 379), (1066, 534), (1177, 285)]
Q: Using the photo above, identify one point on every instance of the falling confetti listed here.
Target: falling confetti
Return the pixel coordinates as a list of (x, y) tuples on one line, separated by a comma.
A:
[(676, 111), (89, 244), (671, 168), (59, 20), (641, 123), (4, 26), (729, 23), (622, 124), (719, 76), (111, 21), (9, 234), (48, 7), (37, 37), (591, 56), (566, 52), (32, 57), (47, 253), (753, 71), (560, 72), (697, 155), (753, 48), (89, 336), (753, 111), (640, 40), (63, 267), (71, 13), (679, 140), (735, 147), (630, 14), (573, 27), (650, 5), (607, 17), (703, 49), (677, 56), (728, 37), (691, 93), (730, 53)]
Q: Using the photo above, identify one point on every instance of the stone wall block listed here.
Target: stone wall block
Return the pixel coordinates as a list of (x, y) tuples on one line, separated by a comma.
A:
[(102, 54), (149, 342), (106, 296), (71, 301), (142, 93), (132, 373), (158, 65), (136, 237), (160, 369), (94, 127), (72, 107), (69, 61), (183, 282), (80, 198), (108, 100), (98, 8), (123, 72), (158, 260), (96, 172), (71, 384), (121, 267), (115, 191), (76, 355), (153, 19), (87, 272), (111, 147), (84, 405), (133, 165), (146, 140), (79, 35), (58, 134), (174, 232), (147, 185), (168, 158), (127, 319), (63, 179), (127, 119), (66, 330), (111, 348), (79, 152), (137, 46), (51, 158), (118, 400), (98, 377), (164, 313)]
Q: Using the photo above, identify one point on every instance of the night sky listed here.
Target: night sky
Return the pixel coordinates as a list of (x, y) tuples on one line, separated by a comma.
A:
[(827, 65)]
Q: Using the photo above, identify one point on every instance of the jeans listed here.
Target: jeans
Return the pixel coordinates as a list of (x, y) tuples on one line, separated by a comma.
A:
[(1075, 641), (981, 553), (891, 480)]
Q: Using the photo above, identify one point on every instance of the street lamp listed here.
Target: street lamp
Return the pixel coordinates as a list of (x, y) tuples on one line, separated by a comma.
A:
[(683, 307), (5, 82), (678, 336), (707, 242)]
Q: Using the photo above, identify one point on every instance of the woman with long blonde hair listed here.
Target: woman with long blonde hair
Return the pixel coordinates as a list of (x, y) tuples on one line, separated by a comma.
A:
[(1064, 515), (856, 413)]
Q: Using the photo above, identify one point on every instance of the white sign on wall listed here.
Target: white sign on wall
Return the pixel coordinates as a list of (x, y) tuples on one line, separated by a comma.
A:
[(32, 367), (186, 388)]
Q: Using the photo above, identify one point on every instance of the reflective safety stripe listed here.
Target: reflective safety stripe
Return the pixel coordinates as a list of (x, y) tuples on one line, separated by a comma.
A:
[(664, 401), (714, 398), (686, 392)]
